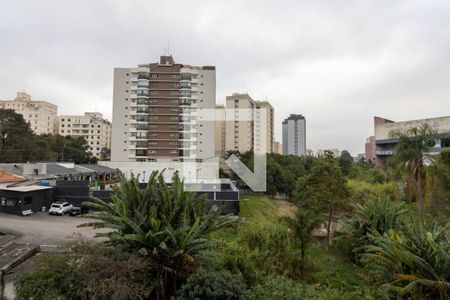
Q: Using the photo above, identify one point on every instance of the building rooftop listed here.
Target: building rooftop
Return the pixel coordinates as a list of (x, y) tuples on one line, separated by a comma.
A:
[(7, 177), (293, 117), (24, 189)]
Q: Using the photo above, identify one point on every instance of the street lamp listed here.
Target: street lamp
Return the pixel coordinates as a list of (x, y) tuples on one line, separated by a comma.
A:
[(143, 172)]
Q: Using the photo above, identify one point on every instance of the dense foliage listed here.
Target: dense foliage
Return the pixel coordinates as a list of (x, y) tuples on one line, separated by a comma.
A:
[(19, 144), (166, 225), (85, 271)]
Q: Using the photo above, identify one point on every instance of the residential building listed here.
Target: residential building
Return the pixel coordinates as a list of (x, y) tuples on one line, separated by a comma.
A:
[(381, 145), (278, 147), (95, 130), (155, 112), (40, 115), (294, 135), (220, 131), (249, 124)]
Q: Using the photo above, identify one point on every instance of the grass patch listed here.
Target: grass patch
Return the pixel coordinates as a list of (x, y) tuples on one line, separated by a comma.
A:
[(258, 208)]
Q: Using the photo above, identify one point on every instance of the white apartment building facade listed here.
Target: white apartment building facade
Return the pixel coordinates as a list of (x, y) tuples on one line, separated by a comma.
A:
[(156, 112), (40, 115), (294, 135), (95, 130)]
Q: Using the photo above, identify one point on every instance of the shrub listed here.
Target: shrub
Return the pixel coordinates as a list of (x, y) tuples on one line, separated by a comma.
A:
[(280, 288), (378, 215), (213, 285), (86, 272), (413, 262), (259, 251)]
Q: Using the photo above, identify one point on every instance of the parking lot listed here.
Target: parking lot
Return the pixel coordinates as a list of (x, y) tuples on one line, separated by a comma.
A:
[(44, 229)]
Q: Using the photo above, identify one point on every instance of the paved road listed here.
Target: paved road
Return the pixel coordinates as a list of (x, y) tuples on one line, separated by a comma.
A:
[(44, 229)]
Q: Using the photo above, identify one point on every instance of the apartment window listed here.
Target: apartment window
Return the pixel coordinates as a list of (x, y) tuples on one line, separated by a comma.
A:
[(62, 131), (62, 125), (62, 120)]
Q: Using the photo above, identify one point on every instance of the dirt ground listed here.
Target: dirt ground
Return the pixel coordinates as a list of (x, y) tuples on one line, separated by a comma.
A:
[(44, 229)]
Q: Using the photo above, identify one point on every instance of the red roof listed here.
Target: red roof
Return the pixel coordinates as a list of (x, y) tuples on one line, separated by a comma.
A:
[(6, 177)]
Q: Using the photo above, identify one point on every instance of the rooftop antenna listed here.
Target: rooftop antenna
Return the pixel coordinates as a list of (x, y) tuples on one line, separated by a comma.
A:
[(167, 50)]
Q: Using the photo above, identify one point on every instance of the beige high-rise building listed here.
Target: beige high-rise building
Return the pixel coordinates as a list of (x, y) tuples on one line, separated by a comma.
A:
[(278, 148), (91, 126), (41, 115), (220, 131), (249, 124)]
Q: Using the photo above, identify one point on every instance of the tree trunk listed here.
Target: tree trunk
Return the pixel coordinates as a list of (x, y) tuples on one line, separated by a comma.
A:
[(420, 203), (329, 228), (302, 260), (409, 187)]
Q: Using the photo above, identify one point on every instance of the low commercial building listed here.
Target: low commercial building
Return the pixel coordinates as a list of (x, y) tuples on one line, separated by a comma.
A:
[(24, 200), (381, 145), (41, 115), (93, 127)]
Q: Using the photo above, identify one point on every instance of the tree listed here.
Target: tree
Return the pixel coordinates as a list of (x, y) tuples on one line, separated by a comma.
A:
[(410, 153), (346, 162), (325, 187), (16, 137), (167, 226), (307, 219)]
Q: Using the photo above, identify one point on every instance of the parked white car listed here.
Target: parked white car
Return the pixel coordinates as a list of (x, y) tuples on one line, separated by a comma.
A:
[(60, 208)]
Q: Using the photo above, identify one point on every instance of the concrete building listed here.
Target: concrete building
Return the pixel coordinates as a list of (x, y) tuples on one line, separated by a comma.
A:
[(249, 124), (220, 131), (278, 147), (294, 135), (91, 126), (381, 145), (41, 115), (155, 112), (310, 152)]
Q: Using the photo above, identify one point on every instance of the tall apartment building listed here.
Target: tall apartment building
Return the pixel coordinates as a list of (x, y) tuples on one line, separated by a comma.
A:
[(294, 135), (91, 126), (278, 148), (155, 112), (220, 131), (249, 124), (41, 115)]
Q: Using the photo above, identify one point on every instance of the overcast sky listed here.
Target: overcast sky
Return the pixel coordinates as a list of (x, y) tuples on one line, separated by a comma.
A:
[(339, 63)]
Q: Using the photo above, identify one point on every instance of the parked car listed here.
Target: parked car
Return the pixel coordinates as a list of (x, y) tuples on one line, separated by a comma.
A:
[(60, 208), (78, 210)]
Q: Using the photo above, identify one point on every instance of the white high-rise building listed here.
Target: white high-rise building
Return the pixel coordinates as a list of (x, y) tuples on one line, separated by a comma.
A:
[(294, 135), (95, 130), (155, 112), (40, 115)]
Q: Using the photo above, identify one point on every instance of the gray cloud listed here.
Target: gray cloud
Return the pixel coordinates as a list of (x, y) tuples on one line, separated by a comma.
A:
[(337, 62)]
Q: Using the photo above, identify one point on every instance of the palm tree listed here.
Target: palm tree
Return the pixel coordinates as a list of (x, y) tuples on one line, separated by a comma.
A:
[(411, 151), (167, 225)]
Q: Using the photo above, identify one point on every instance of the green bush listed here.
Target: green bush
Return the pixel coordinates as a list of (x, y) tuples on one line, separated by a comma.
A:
[(413, 262), (376, 215), (280, 288), (85, 272), (260, 251), (213, 285), (361, 191)]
